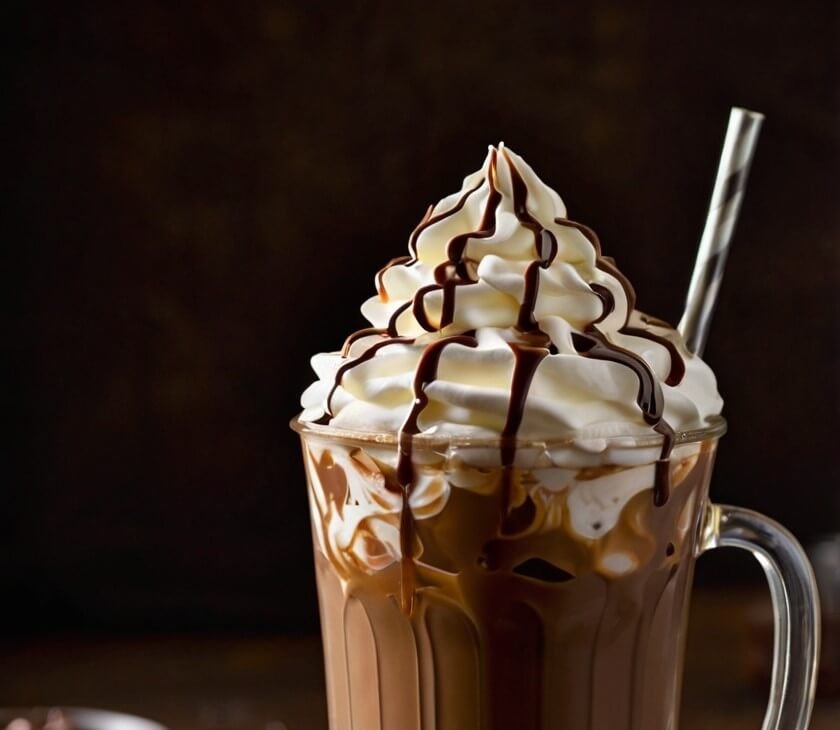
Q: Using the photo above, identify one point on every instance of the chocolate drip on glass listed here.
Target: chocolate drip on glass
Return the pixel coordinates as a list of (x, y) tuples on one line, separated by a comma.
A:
[(649, 398), (662, 473), (526, 362), (533, 346), (449, 275), (426, 373), (526, 359), (650, 393)]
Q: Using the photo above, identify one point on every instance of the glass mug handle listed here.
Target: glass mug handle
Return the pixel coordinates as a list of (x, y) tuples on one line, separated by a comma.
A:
[(795, 607)]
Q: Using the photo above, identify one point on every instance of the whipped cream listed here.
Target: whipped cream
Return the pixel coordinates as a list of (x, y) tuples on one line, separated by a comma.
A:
[(494, 271)]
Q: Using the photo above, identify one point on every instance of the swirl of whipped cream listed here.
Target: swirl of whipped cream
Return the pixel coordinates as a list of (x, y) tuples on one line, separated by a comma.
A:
[(505, 319)]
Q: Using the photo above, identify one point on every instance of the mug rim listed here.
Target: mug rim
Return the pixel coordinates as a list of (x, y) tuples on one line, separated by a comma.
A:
[(715, 428)]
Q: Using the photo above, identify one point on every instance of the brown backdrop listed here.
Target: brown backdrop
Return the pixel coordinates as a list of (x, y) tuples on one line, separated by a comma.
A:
[(204, 193)]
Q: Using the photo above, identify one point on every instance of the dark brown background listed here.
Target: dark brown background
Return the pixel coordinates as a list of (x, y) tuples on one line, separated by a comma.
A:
[(203, 193)]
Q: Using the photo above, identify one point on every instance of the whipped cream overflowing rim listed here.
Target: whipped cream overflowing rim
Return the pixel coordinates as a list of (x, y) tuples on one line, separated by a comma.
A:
[(455, 288), (715, 428), (457, 272)]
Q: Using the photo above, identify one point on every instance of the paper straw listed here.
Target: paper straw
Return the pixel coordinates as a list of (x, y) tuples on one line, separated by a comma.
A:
[(733, 169)]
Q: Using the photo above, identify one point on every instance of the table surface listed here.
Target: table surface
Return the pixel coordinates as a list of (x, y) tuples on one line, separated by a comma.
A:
[(275, 682)]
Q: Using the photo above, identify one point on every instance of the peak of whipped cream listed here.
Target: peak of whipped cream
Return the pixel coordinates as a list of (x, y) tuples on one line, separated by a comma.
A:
[(505, 319)]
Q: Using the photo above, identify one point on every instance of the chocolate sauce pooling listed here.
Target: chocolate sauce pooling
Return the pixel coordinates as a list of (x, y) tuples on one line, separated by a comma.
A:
[(459, 271)]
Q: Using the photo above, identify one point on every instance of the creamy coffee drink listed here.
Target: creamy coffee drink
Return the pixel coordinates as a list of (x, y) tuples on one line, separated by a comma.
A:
[(507, 472)]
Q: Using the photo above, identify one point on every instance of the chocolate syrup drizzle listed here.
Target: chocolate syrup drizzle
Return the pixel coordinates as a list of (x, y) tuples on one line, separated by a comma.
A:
[(364, 357), (649, 399), (455, 271), (426, 372), (391, 332), (459, 271), (526, 361), (677, 370), (595, 345), (399, 261)]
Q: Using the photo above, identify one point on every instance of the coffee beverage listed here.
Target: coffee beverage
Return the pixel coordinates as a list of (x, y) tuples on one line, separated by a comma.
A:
[(571, 616), (507, 475)]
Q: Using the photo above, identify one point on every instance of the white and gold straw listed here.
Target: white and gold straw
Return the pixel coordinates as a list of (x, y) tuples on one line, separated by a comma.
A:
[(733, 169)]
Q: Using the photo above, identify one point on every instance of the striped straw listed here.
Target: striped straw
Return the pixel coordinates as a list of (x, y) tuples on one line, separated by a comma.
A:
[(733, 169)]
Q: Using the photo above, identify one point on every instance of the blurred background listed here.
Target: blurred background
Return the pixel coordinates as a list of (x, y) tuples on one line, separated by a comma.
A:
[(200, 194)]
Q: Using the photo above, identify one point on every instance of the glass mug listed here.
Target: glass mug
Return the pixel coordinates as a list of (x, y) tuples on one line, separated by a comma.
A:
[(552, 593)]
